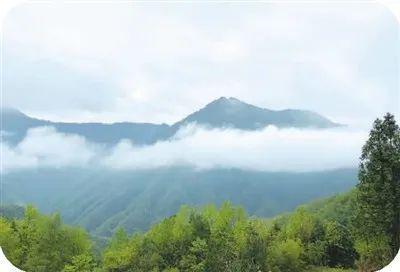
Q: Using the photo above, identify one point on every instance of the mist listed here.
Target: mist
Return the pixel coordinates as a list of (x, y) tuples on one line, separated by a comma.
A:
[(46, 147), (269, 149)]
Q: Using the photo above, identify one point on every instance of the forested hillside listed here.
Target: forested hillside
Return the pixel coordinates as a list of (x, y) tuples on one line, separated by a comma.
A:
[(315, 237), (101, 200)]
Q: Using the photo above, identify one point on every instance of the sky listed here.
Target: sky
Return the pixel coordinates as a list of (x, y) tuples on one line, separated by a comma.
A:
[(158, 62)]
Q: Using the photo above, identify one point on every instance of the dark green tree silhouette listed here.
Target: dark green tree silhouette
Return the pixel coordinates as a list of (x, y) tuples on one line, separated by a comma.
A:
[(378, 195)]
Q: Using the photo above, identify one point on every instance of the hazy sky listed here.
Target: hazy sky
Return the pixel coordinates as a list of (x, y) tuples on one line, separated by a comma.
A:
[(158, 62)]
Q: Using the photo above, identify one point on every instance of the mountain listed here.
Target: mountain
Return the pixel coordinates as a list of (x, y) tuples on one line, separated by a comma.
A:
[(102, 200), (231, 112), (223, 112), (16, 124)]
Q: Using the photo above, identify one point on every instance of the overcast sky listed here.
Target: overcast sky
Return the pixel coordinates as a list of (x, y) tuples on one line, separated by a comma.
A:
[(158, 62)]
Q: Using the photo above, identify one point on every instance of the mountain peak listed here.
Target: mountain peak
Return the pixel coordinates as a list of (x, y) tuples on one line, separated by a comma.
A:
[(232, 112), (227, 100), (226, 104)]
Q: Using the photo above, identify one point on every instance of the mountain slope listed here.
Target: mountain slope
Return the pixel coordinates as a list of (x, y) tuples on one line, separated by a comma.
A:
[(102, 200), (16, 125), (223, 112)]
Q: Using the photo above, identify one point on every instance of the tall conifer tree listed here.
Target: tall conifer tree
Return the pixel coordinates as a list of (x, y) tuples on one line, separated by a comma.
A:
[(379, 186)]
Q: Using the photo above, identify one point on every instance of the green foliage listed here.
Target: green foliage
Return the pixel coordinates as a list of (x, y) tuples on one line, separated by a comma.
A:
[(339, 208), (339, 245), (42, 243), (9, 241), (199, 240), (378, 194), (286, 256), (81, 263), (302, 225), (209, 239), (374, 251), (225, 239), (329, 269)]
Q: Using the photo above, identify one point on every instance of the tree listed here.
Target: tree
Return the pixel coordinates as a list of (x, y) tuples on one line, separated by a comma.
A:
[(42, 243), (378, 196), (286, 256), (81, 263), (9, 241), (302, 225), (118, 253), (374, 253), (195, 260), (339, 245)]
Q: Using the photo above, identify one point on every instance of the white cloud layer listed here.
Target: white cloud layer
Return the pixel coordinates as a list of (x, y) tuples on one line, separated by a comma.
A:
[(45, 147), (270, 149)]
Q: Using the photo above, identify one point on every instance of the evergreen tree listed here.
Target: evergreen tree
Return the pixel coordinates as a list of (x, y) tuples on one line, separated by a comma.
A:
[(378, 197)]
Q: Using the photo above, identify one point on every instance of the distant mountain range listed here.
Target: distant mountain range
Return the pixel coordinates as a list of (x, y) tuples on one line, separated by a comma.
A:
[(102, 200), (223, 112)]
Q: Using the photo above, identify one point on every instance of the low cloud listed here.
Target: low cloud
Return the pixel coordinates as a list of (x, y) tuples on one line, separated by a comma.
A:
[(270, 149), (45, 147)]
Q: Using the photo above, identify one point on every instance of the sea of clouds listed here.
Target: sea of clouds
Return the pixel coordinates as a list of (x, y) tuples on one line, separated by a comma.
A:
[(269, 149)]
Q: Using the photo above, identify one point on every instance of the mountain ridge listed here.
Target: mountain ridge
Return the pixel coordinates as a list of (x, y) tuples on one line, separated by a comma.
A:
[(232, 112), (222, 112)]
